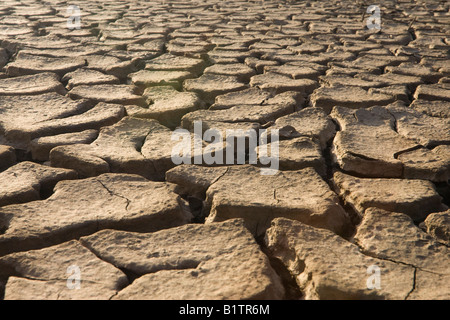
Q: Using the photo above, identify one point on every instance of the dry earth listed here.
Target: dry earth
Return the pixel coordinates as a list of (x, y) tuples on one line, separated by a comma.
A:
[(93, 207)]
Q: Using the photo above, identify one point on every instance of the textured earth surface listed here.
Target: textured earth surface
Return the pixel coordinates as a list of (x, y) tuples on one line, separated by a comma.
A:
[(92, 206)]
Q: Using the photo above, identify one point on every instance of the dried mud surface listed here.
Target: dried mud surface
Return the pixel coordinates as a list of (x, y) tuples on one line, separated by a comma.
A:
[(93, 207)]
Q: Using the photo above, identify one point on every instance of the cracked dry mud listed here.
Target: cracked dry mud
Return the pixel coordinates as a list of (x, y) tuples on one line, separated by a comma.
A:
[(87, 180)]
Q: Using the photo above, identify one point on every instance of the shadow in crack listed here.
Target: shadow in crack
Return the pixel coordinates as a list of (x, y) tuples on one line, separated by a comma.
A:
[(197, 210), (131, 276), (292, 291), (443, 188), (2, 288)]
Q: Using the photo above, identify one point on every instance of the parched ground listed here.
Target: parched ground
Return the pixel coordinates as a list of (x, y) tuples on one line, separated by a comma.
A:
[(93, 207)]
